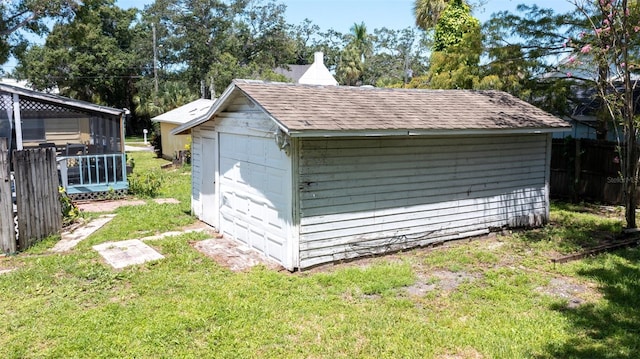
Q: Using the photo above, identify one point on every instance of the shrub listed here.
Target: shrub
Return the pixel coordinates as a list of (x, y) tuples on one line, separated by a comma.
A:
[(187, 155), (145, 184), (156, 142), (70, 211)]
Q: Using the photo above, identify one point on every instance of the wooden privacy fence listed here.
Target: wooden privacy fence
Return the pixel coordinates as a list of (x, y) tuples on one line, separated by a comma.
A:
[(37, 207), (586, 170)]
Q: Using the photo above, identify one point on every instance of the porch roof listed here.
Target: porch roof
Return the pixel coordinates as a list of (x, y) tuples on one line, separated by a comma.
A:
[(62, 101)]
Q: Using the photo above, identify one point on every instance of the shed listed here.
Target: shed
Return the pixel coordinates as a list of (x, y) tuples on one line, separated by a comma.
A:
[(314, 174), (169, 120)]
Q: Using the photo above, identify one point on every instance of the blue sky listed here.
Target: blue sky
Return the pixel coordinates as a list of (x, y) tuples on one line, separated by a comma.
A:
[(340, 15)]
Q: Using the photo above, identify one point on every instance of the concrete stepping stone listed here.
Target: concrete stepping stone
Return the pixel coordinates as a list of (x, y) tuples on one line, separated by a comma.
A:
[(71, 239), (127, 253)]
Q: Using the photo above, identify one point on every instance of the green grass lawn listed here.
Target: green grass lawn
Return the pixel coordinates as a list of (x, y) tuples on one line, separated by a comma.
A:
[(499, 297)]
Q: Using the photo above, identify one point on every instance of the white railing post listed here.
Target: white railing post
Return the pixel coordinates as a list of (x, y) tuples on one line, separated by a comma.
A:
[(62, 166)]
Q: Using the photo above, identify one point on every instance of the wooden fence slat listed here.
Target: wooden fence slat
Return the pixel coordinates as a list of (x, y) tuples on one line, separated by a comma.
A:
[(583, 169), (7, 229), (39, 213)]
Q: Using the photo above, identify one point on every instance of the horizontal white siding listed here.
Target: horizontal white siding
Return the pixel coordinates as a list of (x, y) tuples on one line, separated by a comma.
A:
[(196, 171), (366, 196)]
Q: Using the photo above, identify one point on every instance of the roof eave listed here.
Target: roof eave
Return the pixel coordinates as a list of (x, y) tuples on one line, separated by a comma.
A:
[(215, 109), (186, 127), (173, 122), (430, 132), (61, 100)]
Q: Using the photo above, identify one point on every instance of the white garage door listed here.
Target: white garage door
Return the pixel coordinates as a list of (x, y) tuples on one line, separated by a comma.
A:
[(255, 194)]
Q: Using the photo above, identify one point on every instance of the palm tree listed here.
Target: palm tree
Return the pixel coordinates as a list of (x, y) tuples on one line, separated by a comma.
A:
[(172, 94), (350, 67), (360, 40), (428, 12)]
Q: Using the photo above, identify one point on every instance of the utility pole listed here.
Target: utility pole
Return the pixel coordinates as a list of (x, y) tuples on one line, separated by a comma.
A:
[(155, 58)]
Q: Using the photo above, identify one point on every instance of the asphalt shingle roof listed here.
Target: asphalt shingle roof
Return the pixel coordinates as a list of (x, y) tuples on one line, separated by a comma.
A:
[(293, 72), (340, 108)]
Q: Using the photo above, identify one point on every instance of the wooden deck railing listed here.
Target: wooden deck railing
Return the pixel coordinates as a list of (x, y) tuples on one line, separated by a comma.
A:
[(97, 172)]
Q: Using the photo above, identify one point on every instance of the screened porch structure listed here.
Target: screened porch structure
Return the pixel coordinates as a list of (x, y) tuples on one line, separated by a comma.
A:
[(88, 138)]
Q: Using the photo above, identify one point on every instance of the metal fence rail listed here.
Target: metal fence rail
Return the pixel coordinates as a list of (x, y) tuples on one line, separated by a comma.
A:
[(92, 170)]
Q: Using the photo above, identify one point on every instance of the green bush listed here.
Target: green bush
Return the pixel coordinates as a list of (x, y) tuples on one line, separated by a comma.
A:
[(145, 184)]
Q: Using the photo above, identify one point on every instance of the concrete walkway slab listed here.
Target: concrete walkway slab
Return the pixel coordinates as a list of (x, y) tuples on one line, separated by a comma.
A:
[(126, 253), (233, 255), (71, 239), (144, 148), (108, 206)]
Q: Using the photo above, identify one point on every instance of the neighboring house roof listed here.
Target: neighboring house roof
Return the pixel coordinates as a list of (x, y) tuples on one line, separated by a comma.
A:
[(302, 110), (183, 114), (293, 72), (313, 74), (14, 82), (25, 84), (60, 100)]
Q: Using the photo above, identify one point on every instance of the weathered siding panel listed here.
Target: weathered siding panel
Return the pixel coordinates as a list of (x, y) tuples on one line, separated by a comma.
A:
[(196, 171), (367, 196)]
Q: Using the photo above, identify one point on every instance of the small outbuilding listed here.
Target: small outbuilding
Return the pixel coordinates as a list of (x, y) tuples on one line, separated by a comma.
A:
[(314, 174), (172, 144)]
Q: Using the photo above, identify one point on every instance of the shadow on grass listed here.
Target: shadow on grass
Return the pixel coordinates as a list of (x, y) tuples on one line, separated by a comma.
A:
[(611, 328)]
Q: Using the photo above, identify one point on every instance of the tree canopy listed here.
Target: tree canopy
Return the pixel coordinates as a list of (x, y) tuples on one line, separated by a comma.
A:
[(91, 58), (28, 16), (96, 51)]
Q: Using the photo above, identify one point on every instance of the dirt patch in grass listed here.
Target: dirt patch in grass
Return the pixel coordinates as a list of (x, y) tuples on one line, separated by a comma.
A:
[(233, 255), (575, 294), (6, 270), (467, 353), (445, 281)]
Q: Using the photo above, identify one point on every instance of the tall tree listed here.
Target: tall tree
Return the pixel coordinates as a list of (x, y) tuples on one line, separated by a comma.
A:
[(352, 64), (360, 41), (526, 52), (398, 55), (199, 36), (457, 47), (594, 47), (28, 16), (89, 58), (171, 95), (427, 12), (611, 43), (453, 25), (303, 36)]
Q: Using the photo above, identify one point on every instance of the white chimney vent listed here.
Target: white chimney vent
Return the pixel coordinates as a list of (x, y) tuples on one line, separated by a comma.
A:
[(318, 58)]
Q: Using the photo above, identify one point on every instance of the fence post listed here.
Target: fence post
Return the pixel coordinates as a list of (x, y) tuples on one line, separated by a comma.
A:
[(7, 228), (577, 171)]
